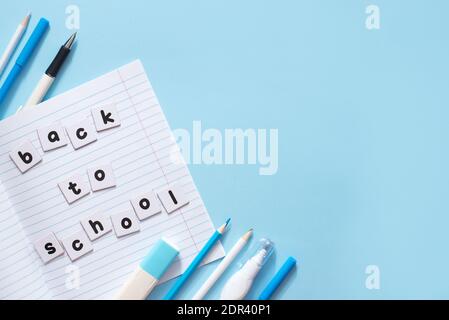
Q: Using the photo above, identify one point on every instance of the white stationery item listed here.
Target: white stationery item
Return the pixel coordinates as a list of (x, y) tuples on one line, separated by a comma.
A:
[(144, 158), (224, 264), (241, 282), (12, 44)]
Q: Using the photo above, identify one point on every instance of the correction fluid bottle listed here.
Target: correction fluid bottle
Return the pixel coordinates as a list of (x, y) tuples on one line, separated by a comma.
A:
[(240, 283)]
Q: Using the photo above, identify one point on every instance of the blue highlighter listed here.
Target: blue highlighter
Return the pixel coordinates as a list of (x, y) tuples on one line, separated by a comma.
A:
[(24, 57), (277, 279)]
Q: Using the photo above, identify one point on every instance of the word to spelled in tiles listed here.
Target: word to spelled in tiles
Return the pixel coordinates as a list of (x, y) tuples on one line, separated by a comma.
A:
[(100, 177), (51, 137), (97, 225)]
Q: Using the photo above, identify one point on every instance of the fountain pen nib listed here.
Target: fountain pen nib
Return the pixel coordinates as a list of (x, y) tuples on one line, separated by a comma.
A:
[(70, 41)]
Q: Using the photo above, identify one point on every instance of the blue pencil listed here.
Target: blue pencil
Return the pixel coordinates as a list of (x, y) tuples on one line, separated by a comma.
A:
[(196, 262), (277, 279), (24, 57)]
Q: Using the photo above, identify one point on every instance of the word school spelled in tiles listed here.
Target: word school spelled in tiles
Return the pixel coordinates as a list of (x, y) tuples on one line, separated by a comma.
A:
[(100, 177)]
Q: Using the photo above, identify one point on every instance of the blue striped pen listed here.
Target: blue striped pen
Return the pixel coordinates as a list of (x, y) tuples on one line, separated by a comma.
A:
[(196, 262)]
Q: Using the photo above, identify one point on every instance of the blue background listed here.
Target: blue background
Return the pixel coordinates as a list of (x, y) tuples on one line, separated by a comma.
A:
[(362, 116)]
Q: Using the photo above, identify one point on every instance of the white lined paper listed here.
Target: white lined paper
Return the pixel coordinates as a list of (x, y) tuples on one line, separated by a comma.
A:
[(140, 151)]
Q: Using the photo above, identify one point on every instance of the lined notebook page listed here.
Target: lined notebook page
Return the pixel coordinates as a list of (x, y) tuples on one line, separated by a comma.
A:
[(144, 156), (20, 272)]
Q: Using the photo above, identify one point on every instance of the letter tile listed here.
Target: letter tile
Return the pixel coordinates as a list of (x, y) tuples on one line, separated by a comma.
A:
[(101, 177), (125, 223), (173, 198), (106, 117), (77, 245), (74, 188), (81, 134), (25, 156), (146, 205), (52, 137), (48, 247), (96, 226)]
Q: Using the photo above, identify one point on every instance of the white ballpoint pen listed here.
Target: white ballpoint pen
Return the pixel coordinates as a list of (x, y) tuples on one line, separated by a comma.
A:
[(224, 264)]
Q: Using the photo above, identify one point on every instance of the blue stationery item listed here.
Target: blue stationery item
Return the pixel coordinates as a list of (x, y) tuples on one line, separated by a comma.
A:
[(159, 259), (278, 278), (149, 272), (24, 57), (196, 261)]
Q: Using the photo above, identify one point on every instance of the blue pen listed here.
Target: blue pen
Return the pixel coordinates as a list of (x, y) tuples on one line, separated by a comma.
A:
[(277, 279), (196, 262), (24, 57)]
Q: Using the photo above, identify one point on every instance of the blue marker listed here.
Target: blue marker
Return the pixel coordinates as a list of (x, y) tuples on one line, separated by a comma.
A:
[(277, 279), (24, 57)]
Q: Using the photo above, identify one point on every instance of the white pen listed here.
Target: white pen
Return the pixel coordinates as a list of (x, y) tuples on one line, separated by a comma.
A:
[(224, 264), (47, 79), (12, 45)]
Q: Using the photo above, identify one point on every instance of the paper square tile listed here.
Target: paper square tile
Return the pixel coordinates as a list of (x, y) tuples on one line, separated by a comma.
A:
[(81, 134), (48, 247), (52, 137), (146, 205), (25, 156), (173, 198), (74, 188), (96, 226), (77, 245), (101, 177), (125, 223), (106, 117)]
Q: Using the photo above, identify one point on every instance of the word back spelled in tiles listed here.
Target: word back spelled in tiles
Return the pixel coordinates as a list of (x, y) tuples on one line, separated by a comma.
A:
[(53, 136)]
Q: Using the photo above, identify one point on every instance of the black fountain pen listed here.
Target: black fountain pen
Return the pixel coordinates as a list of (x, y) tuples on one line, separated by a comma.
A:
[(47, 79)]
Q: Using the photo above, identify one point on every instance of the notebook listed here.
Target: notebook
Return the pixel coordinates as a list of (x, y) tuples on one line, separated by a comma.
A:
[(144, 156)]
